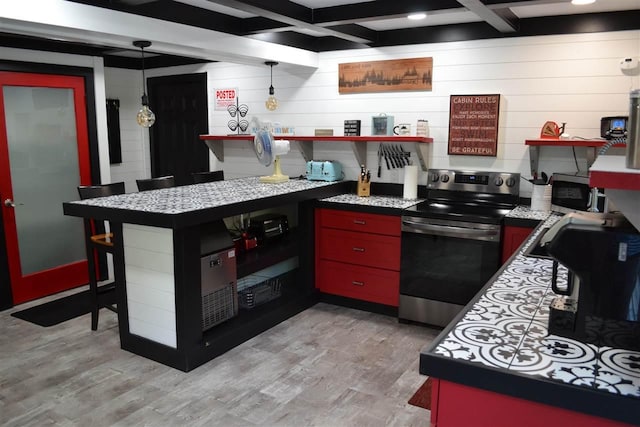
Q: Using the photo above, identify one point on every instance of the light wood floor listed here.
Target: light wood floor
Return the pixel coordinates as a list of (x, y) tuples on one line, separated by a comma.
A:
[(328, 366)]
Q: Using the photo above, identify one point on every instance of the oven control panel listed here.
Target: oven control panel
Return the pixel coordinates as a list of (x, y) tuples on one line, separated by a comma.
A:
[(474, 181)]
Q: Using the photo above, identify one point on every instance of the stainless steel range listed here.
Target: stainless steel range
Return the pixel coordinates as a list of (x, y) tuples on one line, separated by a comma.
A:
[(451, 242)]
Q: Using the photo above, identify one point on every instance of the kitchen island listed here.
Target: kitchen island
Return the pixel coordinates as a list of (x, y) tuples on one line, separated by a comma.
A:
[(495, 364), (158, 242)]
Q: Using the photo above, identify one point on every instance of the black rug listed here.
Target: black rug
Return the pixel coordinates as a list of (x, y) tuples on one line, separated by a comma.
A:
[(63, 309)]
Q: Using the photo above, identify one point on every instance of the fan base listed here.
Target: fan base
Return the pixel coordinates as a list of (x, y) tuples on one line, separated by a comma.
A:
[(274, 179)]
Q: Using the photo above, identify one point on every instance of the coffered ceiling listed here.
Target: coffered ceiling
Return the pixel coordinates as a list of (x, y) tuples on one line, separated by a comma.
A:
[(324, 25)]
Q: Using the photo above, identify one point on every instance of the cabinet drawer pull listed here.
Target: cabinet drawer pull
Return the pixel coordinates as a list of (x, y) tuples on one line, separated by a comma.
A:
[(358, 249), (356, 283), (360, 221)]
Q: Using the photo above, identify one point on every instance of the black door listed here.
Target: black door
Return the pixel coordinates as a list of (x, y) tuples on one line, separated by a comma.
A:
[(180, 105)]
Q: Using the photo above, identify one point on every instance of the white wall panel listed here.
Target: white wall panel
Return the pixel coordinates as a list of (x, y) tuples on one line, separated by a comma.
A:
[(565, 78), (150, 282), (126, 86)]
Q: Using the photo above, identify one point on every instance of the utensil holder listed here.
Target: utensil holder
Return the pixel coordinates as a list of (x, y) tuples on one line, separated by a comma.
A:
[(364, 189)]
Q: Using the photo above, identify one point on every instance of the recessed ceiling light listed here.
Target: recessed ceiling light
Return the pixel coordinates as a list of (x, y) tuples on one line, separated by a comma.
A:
[(581, 2), (417, 16)]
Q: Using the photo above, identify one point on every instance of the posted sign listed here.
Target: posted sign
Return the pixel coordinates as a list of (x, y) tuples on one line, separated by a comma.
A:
[(473, 125), (225, 97)]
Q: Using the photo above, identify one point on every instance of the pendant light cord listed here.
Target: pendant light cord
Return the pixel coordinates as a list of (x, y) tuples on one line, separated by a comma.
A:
[(271, 90), (144, 85)]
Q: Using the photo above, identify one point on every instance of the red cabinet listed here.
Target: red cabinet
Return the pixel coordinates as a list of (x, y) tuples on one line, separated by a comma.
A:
[(358, 255), (512, 238), (367, 249), (455, 405)]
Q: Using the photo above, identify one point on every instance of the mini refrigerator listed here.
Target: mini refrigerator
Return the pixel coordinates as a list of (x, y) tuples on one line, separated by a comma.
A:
[(218, 276)]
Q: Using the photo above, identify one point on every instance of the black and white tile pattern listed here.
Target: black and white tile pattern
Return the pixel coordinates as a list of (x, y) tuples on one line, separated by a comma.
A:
[(525, 212), (507, 328), (373, 201), (189, 198)]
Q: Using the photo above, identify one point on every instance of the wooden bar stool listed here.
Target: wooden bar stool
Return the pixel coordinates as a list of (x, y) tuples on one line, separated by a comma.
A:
[(95, 243), (200, 177), (155, 183)]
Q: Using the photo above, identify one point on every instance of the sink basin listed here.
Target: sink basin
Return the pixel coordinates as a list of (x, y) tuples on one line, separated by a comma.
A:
[(535, 249)]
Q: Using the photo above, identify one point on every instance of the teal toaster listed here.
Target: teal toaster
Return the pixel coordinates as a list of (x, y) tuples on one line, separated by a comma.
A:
[(318, 170)]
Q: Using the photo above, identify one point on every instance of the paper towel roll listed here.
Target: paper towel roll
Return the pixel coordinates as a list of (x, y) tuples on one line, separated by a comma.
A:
[(410, 182), (541, 198), (280, 147)]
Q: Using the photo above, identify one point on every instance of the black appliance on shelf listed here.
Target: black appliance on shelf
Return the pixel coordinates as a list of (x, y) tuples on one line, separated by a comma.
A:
[(451, 243), (600, 302), (571, 191), (268, 227)]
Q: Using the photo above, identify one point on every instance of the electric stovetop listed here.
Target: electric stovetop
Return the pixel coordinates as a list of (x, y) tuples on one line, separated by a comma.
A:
[(471, 196)]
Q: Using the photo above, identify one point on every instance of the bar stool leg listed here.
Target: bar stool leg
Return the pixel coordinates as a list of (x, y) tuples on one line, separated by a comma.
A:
[(93, 283)]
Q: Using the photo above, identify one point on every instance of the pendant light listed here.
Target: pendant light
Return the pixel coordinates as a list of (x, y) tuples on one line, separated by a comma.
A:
[(271, 103), (145, 117)]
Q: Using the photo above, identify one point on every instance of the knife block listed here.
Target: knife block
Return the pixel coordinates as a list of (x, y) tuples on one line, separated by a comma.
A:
[(364, 188)]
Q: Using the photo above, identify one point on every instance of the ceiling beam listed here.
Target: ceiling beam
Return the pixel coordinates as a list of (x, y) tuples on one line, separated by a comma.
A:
[(378, 10), (499, 21), (288, 13)]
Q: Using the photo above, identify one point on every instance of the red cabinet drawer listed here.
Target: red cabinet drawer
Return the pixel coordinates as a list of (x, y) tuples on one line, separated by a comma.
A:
[(362, 222), (372, 250), (363, 283)]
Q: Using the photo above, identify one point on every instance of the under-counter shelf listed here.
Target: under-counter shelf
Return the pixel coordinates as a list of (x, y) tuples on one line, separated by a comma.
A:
[(305, 144), (535, 144)]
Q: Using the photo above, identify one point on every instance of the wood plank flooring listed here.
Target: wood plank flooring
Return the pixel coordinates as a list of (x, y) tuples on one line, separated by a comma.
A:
[(327, 366)]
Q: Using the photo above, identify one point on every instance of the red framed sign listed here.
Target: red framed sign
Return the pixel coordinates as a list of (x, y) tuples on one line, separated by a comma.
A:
[(473, 125)]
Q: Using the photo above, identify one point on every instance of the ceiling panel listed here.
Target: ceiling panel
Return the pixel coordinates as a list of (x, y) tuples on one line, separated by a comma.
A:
[(324, 25)]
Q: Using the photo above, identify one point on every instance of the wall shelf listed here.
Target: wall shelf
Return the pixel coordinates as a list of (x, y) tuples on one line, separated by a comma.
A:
[(305, 144), (535, 144)]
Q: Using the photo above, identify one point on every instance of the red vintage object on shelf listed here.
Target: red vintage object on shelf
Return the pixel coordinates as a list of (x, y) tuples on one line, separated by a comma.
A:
[(551, 130)]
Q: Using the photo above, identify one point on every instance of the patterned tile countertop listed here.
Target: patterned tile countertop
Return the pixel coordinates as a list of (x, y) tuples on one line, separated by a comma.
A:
[(189, 198), (525, 212), (373, 201), (507, 329)]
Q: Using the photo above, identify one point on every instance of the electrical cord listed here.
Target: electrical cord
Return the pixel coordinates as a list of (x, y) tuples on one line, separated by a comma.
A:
[(575, 158), (611, 143)]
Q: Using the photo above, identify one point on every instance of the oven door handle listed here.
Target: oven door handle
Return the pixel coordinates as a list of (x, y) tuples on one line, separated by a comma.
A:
[(450, 231)]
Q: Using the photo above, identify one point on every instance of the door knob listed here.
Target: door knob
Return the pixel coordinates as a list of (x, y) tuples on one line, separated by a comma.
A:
[(9, 203)]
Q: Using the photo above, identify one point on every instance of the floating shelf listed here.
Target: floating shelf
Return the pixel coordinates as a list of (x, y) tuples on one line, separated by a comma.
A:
[(535, 144), (305, 144)]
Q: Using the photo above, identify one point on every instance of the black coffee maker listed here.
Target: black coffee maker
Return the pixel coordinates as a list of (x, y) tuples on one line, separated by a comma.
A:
[(601, 301)]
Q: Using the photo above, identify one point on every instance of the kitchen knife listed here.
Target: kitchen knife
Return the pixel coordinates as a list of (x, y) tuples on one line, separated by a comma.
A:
[(397, 156), (379, 160), (406, 155), (386, 155), (400, 154)]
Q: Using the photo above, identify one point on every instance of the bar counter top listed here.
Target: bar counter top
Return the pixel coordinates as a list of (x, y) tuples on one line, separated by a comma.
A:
[(187, 205), (500, 343)]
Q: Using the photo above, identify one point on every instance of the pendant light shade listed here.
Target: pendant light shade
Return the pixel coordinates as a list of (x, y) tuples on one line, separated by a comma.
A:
[(145, 117), (271, 103)]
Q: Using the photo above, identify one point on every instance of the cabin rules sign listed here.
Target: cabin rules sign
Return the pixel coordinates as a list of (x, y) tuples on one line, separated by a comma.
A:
[(473, 125)]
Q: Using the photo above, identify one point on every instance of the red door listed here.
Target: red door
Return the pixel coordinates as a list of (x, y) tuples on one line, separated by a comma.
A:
[(44, 156)]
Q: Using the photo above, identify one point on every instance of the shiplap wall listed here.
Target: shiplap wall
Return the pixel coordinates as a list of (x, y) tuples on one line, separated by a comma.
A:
[(568, 78), (150, 282), (126, 86)]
